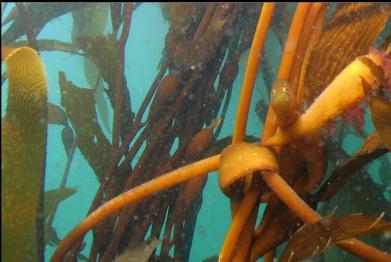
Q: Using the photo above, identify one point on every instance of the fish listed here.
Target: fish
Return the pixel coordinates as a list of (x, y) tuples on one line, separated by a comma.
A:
[(215, 123), (214, 258), (54, 197), (139, 253), (51, 236)]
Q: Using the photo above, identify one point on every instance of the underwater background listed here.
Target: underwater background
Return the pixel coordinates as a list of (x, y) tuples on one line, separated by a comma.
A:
[(143, 53)]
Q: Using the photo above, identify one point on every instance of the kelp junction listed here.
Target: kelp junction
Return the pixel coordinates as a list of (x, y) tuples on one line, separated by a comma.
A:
[(296, 190)]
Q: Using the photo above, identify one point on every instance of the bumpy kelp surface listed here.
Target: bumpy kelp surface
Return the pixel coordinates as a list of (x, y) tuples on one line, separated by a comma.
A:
[(23, 141)]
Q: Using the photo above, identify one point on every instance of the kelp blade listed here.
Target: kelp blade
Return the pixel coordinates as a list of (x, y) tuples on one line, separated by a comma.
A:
[(23, 140)]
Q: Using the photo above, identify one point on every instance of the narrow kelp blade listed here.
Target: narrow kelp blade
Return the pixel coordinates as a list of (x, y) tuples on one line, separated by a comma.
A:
[(57, 116), (68, 139), (52, 45), (313, 239), (370, 151)]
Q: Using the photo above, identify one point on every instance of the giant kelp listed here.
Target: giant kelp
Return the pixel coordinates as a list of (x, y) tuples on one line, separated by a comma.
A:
[(335, 50), (193, 85), (87, 128), (40, 14)]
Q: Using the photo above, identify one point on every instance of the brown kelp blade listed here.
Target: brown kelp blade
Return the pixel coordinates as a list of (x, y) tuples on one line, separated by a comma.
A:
[(68, 138), (56, 115), (91, 140), (312, 239), (371, 150), (52, 45), (381, 117)]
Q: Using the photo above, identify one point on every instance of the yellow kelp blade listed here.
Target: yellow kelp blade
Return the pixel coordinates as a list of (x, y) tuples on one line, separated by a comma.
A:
[(381, 118), (347, 89), (23, 141)]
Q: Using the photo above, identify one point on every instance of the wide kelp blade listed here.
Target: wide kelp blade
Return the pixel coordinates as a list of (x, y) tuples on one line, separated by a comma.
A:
[(79, 105), (103, 51), (39, 14), (23, 140), (90, 21), (312, 239), (352, 29)]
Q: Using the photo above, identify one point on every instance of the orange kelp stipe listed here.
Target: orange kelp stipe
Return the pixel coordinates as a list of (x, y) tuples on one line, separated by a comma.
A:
[(236, 162), (241, 159), (347, 89), (288, 57), (158, 184), (245, 98), (240, 219), (251, 75), (251, 72)]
